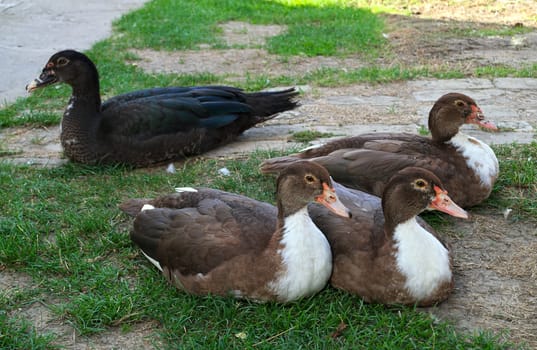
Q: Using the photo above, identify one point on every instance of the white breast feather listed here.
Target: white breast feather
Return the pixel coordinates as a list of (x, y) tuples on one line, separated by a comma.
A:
[(479, 157), (307, 258), (421, 258)]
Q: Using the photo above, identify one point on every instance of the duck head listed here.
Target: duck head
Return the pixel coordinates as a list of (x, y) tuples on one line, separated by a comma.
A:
[(453, 110), (304, 182), (413, 190), (68, 66)]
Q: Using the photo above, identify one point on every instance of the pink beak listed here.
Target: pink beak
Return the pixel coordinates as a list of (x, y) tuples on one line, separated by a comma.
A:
[(443, 203), (330, 200), (477, 117)]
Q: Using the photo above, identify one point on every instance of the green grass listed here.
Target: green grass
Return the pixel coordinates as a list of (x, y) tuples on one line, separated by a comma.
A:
[(309, 135), (500, 71), (423, 130), (491, 31), (312, 25), (62, 228), (18, 334), (516, 187)]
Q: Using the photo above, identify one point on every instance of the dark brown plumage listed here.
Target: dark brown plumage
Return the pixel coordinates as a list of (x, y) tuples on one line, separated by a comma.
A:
[(467, 166), (209, 241), (384, 253), (151, 126)]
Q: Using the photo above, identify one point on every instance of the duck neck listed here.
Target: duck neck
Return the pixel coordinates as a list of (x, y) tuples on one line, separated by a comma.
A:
[(79, 117), (79, 125), (86, 88), (421, 258), (306, 257), (393, 216), (441, 126), (84, 105)]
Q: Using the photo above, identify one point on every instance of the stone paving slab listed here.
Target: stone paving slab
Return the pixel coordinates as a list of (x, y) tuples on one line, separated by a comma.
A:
[(515, 83), (32, 30), (451, 84)]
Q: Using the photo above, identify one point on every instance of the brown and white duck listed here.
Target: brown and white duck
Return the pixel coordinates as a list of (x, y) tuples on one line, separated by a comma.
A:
[(385, 253), (467, 166), (209, 241), (151, 126)]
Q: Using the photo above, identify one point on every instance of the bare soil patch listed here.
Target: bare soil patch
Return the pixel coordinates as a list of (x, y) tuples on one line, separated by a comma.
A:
[(235, 62), (40, 314), (495, 277), (140, 336), (11, 282)]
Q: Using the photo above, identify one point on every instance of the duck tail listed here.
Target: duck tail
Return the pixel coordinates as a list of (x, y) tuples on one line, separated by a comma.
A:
[(266, 104), (133, 206)]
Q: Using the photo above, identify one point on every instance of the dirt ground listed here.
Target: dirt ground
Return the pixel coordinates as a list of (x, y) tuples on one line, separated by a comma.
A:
[(495, 256)]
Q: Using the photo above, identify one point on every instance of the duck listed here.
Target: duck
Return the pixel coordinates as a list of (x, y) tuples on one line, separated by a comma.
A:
[(385, 253), (207, 241), (151, 126), (467, 166)]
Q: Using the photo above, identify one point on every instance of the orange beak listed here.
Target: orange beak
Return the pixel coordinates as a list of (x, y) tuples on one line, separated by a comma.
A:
[(477, 117), (330, 200), (443, 203)]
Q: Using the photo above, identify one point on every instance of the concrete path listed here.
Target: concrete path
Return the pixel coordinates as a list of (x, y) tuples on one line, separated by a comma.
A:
[(32, 30)]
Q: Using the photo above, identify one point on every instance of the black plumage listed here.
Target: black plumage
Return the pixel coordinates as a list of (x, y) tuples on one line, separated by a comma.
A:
[(151, 126)]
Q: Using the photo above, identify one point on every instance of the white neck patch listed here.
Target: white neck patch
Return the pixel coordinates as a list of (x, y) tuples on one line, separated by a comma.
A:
[(479, 157), (421, 258), (306, 256), (70, 106)]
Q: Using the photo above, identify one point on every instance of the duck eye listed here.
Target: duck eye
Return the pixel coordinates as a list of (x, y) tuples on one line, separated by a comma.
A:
[(460, 103), (420, 183), (62, 61), (309, 178)]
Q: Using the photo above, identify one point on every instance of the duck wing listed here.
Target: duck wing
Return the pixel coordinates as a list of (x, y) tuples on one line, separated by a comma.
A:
[(149, 113), (368, 161), (195, 232), (385, 142)]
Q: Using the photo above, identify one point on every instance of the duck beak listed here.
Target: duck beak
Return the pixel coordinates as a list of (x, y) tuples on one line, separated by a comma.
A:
[(47, 77), (443, 203), (330, 200), (477, 117)]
